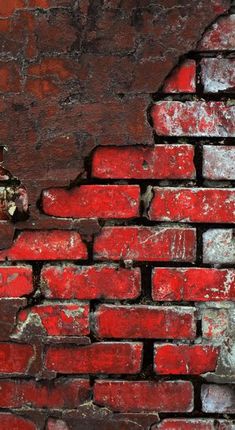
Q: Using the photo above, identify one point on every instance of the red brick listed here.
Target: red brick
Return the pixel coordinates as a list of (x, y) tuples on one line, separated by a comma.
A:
[(186, 424), (221, 36), (193, 284), (15, 358), (219, 162), (216, 205), (87, 201), (56, 319), (218, 74), (15, 281), (9, 77), (46, 245), (218, 399), (154, 162), (58, 68), (41, 88), (111, 358), (60, 394), (194, 118), (94, 282), (15, 422), (136, 396), (141, 321), (146, 243), (170, 359), (7, 8), (39, 3), (182, 79)]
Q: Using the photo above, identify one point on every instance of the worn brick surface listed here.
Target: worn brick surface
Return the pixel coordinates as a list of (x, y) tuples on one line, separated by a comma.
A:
[(193, 284), (117, 282), (152, 396), (154, 162), (96, 358), (146, 243), (91, 282), (219, 162), (145, 322)]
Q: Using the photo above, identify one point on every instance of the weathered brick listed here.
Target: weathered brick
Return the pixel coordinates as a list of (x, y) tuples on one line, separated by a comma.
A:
[(219, 162), (182, 79), (15, 281), (194, 118), (214, 324), (135, 396), (15, 358), (146, 243), (104, 357), (87, 201), (185, 424), (193, 284), (218, 74), (9, 309), (56, 319), (209, 205), (60, 394), (46, 245), (90, 282), (219, 246), (154, 162), (15, 422), (221, 36), (142, 321), (218, 399), (184, 359), (7, 8), (9, 77)]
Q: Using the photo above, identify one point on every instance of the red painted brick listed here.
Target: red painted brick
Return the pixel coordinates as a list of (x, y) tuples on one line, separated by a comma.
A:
[(141, 321), (218, 74), (170, 359), (146, 243), (56, 319), (219, 162), (194, 118), (15, 281), (218, 398), (94, 282), (185, 424), (15, 422), (207, 205), (221, 36), (60, 394), (182, 79), (15, 358), (111, 358), (46, 245), (87, 201), (193, 284), (154, 162), (136, 396)]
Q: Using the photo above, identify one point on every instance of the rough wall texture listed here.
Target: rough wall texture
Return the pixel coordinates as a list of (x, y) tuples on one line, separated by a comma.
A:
[(117, 280)]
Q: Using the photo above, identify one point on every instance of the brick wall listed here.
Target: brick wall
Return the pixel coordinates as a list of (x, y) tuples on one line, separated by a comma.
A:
[(131, 327)]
